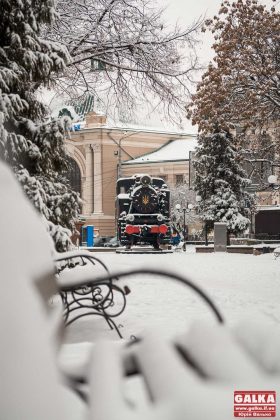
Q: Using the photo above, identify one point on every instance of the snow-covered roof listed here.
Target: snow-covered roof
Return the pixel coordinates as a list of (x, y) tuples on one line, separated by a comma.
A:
[(173, 151), (268, 207)]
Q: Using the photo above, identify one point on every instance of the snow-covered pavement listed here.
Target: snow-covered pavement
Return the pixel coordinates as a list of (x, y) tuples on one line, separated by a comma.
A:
[(241, 286)]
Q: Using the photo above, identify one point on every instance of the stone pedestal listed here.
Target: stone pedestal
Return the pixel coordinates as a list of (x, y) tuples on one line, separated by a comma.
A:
[(220, 237)]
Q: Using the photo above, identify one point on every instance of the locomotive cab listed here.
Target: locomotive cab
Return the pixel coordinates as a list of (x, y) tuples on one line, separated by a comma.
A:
[(143, 211)]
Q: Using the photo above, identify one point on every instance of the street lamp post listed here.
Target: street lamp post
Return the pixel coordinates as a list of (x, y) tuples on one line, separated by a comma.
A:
[(120, 155), (185, 236), (120, 149), (184, 211)]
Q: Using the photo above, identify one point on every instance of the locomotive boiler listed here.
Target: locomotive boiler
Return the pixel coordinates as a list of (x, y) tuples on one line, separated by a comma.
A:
[(143, 211)]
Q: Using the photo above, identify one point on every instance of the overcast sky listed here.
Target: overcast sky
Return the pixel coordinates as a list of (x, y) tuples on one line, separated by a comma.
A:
[(184, 12), (187, 11)]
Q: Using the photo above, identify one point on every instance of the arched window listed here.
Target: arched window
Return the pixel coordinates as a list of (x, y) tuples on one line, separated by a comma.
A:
[(74, 175)]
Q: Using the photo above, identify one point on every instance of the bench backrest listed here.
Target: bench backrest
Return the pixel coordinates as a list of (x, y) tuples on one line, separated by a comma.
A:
[(29, 377)]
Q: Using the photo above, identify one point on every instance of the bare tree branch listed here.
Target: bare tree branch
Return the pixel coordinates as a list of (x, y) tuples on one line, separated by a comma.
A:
[(135, 51)]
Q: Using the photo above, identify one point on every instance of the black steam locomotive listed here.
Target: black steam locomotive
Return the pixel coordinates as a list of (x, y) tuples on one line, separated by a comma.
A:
[(143, 211)]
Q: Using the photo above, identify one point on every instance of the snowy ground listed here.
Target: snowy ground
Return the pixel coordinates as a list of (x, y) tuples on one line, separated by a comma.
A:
[(241, 286)]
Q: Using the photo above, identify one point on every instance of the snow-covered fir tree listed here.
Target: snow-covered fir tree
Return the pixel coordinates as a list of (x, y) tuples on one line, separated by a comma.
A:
[(221, 183), (31, 143)]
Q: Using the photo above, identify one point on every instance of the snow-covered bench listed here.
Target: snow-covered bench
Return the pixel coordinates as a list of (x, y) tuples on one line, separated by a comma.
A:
[(31, 385), (172, 386), (30, 326), (80, 293)]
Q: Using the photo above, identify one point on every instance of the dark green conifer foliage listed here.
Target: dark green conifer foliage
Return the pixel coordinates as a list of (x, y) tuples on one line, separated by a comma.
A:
[(31, 143)]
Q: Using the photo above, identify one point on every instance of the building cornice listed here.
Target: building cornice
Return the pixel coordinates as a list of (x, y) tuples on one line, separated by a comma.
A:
[(153, 162), (136, 130)]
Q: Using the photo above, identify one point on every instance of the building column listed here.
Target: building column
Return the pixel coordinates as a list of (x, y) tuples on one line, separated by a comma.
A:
[(97, 179), (88, 183)]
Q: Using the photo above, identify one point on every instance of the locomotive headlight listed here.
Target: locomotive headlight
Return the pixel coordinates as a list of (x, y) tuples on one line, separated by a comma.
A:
[(160, 217), (145, 180), (130, 218)]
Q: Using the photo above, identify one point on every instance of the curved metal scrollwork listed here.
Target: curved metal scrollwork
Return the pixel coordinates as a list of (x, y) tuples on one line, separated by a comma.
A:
[(91, 298), (157, 273)]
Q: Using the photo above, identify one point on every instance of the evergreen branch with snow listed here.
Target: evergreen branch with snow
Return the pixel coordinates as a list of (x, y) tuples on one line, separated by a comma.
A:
[(221, 183), (29, 141)]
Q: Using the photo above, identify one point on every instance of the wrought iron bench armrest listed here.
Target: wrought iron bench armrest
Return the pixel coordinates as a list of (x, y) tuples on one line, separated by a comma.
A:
[(86, 292), (71, 255)]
